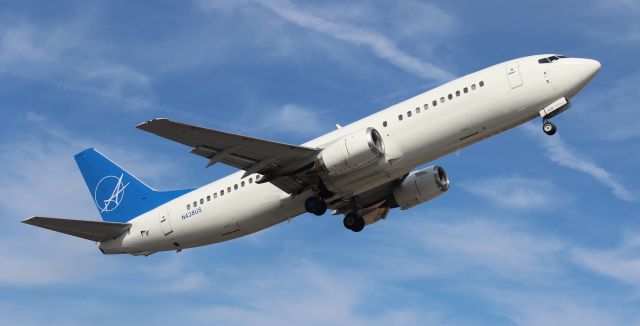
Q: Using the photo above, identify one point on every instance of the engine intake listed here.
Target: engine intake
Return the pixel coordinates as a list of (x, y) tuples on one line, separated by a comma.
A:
[(352, 152), (421, 186)]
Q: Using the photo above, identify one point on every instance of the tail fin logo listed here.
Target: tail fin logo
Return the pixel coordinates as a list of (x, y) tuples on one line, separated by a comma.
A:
[(109, 193)]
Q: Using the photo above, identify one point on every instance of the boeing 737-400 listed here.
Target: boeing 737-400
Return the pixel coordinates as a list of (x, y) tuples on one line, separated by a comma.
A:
[(361, 170)]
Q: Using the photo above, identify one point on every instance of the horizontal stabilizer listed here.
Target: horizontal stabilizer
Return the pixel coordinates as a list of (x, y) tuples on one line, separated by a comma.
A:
[(90, 230)]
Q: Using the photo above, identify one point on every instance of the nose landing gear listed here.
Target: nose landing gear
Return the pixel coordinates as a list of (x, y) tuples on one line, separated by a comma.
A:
[(553, 109), (548, 127)]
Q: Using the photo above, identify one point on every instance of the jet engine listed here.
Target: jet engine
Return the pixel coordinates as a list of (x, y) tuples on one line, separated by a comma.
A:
[(421, 186), (351, 152)]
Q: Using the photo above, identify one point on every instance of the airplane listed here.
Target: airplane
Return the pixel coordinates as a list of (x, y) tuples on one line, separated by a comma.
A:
[(361, 170)]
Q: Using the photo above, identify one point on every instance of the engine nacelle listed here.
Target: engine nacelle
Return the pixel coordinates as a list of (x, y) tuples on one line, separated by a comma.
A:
[(421, 186), (351, 152)]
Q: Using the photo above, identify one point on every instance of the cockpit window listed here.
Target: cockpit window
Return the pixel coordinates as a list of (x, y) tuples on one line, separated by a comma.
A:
[(551, 59)]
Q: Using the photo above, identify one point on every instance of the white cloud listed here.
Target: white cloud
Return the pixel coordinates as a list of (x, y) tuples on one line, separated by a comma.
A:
[(359, 25), (43, 257), (620, 101), (379, 44), (620, 21), (64, 56), (621, 263), (492, 248), (516, 192), (294, 119), (560, 153), (542, 307), (307, 294)]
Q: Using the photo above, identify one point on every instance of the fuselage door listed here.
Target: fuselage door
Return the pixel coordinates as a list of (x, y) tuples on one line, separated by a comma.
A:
[(165, 224), (513, 74)]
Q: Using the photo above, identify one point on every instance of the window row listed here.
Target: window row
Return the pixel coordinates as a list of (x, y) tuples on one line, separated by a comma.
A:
[(222, 192), (435, 102)]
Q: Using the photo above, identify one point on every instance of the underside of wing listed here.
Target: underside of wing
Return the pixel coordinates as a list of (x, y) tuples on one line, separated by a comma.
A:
[(90, 230), (279, 163)]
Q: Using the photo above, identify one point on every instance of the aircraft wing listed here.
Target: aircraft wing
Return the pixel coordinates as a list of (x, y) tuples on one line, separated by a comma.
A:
[(90, 230), (279, 163)]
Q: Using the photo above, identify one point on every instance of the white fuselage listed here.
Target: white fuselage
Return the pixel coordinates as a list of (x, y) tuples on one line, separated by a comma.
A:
[(414, 131)]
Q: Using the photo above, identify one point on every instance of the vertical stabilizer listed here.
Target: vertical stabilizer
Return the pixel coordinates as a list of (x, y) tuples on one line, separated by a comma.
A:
[(118, 195)]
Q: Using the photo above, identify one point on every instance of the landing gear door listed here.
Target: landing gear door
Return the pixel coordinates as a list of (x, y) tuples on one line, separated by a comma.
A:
[(165, 224), (513, 74)]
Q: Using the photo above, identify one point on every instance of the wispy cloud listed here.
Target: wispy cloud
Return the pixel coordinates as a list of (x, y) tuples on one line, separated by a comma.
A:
[(487, 247), (622, 25), (295, 119), (379, 44), (331, 25), (303, 295), (620, 99), (65, 56), (560, 153), (536, 307), (621, 263), (516, 192)]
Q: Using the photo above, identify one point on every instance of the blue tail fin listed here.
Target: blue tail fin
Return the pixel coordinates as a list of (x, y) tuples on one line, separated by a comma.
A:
[(118, 195)]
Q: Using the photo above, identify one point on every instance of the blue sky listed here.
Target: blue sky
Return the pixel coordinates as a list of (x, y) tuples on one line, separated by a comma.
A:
[(534, 231)]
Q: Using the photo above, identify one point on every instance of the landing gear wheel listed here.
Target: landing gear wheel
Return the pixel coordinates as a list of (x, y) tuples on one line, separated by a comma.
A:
[(353, 222), (349, 221), (315, 205), (549, 128), (359, 225)]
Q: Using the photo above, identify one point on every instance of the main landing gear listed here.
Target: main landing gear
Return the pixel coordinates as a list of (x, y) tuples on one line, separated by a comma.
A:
[(548, 127), (353, 222), (315, 205)]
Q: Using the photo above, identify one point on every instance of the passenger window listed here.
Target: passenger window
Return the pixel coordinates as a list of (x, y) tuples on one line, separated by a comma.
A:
[(235, 186), (442, 99), (473, 87), (400, 117), (384, 124), (408, 114), (215, 195), (242, 184), (209, 198), (188, 207), (195, 204), (465, 90), (251, 179), (481, 84), (426, 107), (435, 103), (450, 97), (201, 201), (417, 110), (457, 93), (228, 189)]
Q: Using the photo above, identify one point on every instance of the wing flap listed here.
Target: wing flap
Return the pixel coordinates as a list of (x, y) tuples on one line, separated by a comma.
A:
[(90, 230)]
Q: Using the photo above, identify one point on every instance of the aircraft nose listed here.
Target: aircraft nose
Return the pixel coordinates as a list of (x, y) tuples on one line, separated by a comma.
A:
[(591, 67), (580, 72)]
